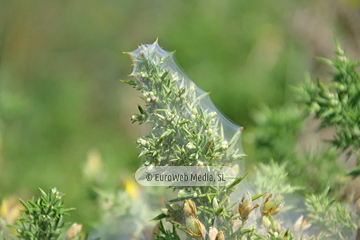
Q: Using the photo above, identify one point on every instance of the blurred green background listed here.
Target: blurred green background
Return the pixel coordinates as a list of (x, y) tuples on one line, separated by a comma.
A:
[(61, 61)]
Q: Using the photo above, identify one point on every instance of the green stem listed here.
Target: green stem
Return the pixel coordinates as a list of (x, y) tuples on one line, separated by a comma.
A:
[(242, 224), (272, 222)]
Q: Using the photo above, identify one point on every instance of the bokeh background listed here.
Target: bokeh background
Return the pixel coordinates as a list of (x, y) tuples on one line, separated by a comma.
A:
[(61, 102)]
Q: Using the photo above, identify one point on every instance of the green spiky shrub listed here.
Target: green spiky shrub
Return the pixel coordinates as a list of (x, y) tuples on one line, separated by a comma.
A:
[(43, 218), (337, 103), (180, 137)]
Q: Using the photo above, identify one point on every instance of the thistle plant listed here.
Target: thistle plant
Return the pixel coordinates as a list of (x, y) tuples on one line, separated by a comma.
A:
[(187, 130)]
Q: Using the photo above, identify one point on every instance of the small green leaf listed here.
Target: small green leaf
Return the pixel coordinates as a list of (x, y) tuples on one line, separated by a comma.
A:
[(159, 217), (236, 182), (257, 196), (132, 83)]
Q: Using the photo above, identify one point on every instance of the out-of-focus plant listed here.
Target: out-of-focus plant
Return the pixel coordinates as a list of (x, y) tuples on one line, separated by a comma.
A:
[(125, 214), (42, 218), (329, 218), (277, 131), (9, 212), (337, 103), (317, 170), (276, 135), (273, 177), (120, 214)]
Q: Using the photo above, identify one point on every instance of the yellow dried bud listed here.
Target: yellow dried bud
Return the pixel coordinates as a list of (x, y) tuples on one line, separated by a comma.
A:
[(245, 206), (301, 224), (189, 208), (73, 231), (272, 205), (195, 227), (220, 236)]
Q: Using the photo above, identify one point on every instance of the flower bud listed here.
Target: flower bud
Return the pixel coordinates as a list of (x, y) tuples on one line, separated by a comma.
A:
[(165, 211), (190, 145), (272, 205), (215, 203), (266, 222), (277, 227), (189, 208), (136, 117), (195, 227), (141, 142), (224, 145), (200, 163), (212, 233), (343, 58), (245, 206), (73, 231), (182, 193), (220, 236), (334, 102), (315, 107), (212, 114)]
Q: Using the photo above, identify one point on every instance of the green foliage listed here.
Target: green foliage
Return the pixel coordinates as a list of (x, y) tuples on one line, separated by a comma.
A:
[(61, 77), (273, 177), (122, 218), (179, 122), (43, 218), (317, 170), (277, 135), (277, 131), (337, 104), (329, 218), (184, 134), (167, 234), (180, 136)]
